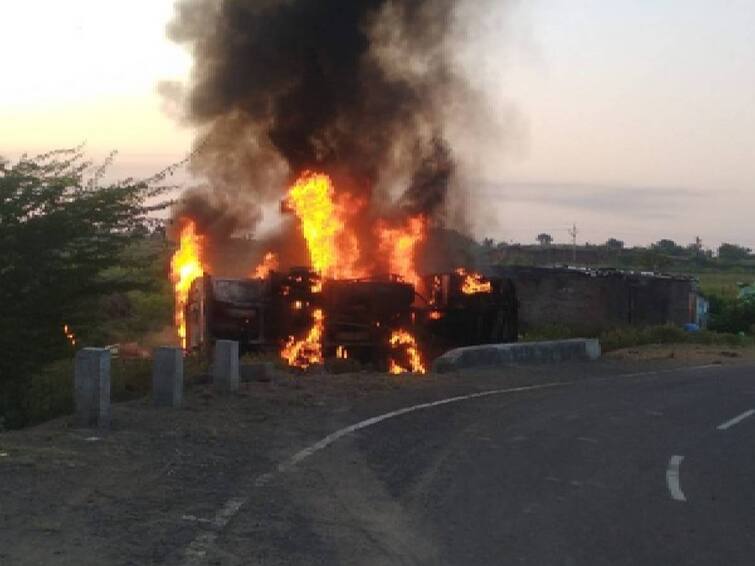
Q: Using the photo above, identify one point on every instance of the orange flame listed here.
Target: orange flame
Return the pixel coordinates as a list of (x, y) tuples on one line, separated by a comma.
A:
[(399, 245), (402, 338), (70, 336), (342, 353), (185, 267), (306, 352), (269, 263), (473, 283), (333, 247), (436, 315)]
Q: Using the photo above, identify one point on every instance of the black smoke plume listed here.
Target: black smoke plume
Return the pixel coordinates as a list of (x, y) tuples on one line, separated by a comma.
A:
[(356, 88)]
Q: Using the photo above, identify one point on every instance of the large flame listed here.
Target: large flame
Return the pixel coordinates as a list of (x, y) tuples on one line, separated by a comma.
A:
[(398, 244), (269, 263), (333, 251), (473, 283), (185, 267), (306, 352), (333, 246), (403, 340), (327, 222)]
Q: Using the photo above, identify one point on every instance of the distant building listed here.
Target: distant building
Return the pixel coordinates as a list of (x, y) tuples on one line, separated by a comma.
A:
[(593, 299)]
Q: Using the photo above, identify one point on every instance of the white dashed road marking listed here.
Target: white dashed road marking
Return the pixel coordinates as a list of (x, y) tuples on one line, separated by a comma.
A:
[(672, 478)]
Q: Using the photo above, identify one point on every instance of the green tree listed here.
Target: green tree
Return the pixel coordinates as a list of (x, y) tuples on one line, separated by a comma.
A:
[(732, 315), (733, 252), (614, 244), (62, 238), (544, 239), (666, 246), (652, 260)]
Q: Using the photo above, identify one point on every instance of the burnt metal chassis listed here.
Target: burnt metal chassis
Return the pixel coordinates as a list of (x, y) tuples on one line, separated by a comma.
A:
[(361, 315)]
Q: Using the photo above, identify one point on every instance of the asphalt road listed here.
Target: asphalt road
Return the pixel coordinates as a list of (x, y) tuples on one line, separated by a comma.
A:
[(650, 469)]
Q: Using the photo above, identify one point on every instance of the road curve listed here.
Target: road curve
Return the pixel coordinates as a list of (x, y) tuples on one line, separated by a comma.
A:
[(579, 474)]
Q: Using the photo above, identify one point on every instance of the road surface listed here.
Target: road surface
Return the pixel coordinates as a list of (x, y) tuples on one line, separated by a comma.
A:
[(647, 469)]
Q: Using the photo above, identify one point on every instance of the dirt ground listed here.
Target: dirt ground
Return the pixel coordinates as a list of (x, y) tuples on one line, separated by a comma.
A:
[(140, 492)]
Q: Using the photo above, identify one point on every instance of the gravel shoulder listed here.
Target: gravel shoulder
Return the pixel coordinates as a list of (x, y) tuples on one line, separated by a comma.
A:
[(138, 493)]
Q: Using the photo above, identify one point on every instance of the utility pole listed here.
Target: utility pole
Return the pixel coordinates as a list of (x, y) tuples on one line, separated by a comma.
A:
[(573, 234)]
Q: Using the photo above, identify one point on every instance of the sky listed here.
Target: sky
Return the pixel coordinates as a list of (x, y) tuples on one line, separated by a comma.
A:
[(632, 119)]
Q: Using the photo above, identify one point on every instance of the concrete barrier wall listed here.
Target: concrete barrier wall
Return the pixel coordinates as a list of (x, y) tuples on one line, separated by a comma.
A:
[(519, 353)]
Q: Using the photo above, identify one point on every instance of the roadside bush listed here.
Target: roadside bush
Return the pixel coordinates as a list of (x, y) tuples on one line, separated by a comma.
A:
[(131, 379), (628, 337), (50, 390), (666, 334), (731, 314), (618, 338), (631, 336), (555, 332), (196, 368)]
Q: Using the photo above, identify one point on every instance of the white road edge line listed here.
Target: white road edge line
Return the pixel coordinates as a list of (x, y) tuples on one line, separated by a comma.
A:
[(197, 550), (331, 438), (672, 478), (736, 420)]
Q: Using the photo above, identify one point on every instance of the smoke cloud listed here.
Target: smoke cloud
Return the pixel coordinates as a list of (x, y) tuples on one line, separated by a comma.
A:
[(358, 89)]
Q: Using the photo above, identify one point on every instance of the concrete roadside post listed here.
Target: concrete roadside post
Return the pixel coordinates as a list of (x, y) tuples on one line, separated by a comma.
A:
[(167, 376), (92, 388), (225, 367)]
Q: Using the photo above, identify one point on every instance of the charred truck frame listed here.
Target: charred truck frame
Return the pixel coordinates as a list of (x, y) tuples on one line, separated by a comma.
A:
[(360, 314), (466, 310)]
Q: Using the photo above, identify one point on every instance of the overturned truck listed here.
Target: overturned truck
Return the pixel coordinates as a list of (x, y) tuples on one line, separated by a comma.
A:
[(360, 315), (466, 310)]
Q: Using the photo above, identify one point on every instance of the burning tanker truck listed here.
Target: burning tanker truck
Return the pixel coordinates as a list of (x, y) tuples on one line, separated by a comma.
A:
[(394, 322), (347, 111), (382, 321)]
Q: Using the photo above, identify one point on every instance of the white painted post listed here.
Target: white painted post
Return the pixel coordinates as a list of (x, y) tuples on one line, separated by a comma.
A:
[(225, 367), (92, 388), (167, 376)]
